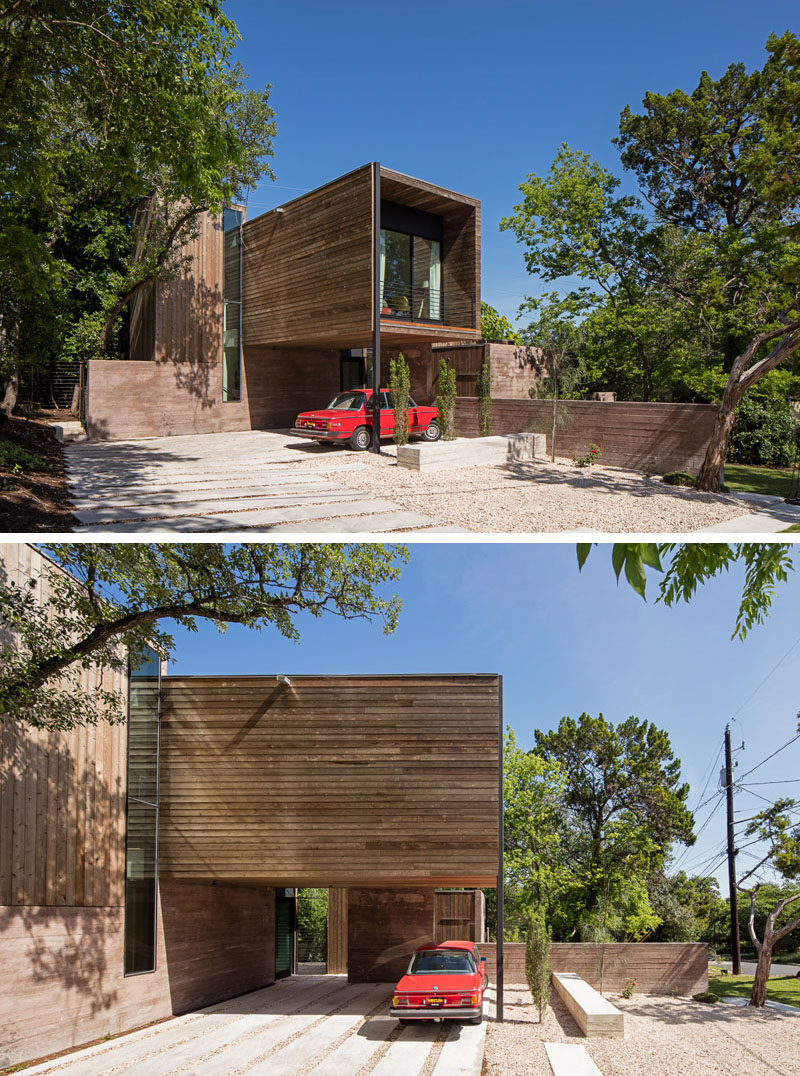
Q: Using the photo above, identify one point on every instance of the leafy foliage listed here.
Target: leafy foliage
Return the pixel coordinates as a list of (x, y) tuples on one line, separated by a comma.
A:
[(766, 432), (446, 400), (537, 961), (695, 563), (400, 394), (494, 326), (111, 600), (483, 388), (312, 922)]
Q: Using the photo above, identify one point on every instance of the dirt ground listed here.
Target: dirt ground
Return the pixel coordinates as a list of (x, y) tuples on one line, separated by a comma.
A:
[(34, 501), (664, 1036)]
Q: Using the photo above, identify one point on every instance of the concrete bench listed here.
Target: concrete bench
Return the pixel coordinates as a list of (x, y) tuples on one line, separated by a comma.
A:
[(67, 432), (567, 1059), (592, 1013), (471, 452)]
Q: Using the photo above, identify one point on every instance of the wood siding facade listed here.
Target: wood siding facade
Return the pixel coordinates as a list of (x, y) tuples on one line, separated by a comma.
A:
[(371, 781)]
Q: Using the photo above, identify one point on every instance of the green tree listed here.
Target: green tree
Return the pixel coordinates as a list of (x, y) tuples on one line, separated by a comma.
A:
[(483, 390), (695, 563), (400, 394), (122, 124), (782, 838), (494, 326), (625, 806), (687, 906), (312, 923), (712, 268), (112, 599)]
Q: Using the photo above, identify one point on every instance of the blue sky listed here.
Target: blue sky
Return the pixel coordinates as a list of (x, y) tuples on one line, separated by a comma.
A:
[(566, 642), (474, 96)]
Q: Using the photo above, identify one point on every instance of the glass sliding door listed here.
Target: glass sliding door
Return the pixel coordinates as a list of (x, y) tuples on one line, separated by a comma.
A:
[(411, 276)]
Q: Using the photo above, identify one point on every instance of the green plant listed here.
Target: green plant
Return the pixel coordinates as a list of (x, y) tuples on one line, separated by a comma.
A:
[(590, 456), (766, 432), (446, 400), (679, 478), (629, 988), (400, 395), (483, 390), (537, 961), (18, 459), (706, 997)]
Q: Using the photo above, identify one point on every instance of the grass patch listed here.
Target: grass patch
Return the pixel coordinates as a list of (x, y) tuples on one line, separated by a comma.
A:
[(742, 479), (795, 527), (782, 988)]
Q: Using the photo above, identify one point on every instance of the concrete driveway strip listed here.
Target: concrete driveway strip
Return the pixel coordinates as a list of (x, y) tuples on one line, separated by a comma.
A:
[(316, 1025), (224, 482)]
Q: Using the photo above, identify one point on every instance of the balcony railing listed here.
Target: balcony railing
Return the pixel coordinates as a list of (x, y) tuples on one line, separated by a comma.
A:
[(419, 303)]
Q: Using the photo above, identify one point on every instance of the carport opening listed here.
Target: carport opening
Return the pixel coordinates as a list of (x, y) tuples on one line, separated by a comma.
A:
[(312, 931)]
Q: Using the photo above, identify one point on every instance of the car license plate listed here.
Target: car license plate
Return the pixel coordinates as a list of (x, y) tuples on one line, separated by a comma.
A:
[(435, 1001)]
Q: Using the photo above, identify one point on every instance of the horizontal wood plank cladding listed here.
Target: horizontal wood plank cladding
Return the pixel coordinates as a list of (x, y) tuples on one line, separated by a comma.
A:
[(65, 963), (331, 781), (384, 927), (657, 967), (657, 437), (154, 399), (337, 931), (307, 271), (62, 794), (282, 382)]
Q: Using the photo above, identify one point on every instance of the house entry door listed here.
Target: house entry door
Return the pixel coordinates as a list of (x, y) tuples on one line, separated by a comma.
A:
[(285, 927)]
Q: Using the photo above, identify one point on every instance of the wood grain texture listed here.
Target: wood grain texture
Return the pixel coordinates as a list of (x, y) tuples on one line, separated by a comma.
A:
[(385, 926), (657, 967), (657, 437), (337, 930), (459, 915), (214, 942), (333, 781), (62, 795)]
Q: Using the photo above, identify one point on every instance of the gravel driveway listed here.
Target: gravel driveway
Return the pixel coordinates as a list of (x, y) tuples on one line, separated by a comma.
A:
[(663, 1037), (541, 497)]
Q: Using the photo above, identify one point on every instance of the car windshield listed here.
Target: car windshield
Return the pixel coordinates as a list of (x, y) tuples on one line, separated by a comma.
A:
[(449, 961), (347, 401)]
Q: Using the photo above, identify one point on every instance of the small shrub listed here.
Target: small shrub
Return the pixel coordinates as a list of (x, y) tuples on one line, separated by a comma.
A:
[(19, 460), (537, 961), (629, 988), (400, 394), (590, 456), (765, 433), (483, 388), (446, 400), (679, 478), (706, 997)]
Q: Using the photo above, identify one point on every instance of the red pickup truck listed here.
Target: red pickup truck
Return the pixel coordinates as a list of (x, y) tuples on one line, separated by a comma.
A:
[(348, 420)]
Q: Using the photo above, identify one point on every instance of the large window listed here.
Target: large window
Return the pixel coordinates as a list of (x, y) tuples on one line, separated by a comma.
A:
[(141, 848), (411, 276), (232, 305)]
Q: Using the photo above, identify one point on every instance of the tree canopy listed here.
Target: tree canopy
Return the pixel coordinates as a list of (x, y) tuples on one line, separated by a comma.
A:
[(122, 123), (112, 601), (690, 290)]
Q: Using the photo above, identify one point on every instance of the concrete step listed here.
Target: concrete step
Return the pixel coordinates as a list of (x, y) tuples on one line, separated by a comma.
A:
[(567, 1059)]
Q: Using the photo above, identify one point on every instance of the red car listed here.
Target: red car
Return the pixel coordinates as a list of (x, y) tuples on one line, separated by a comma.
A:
[(446, 981), (348, 420)]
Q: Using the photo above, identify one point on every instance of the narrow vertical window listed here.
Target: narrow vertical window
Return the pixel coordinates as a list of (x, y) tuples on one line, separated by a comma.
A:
[(141, 847), (231, 304)]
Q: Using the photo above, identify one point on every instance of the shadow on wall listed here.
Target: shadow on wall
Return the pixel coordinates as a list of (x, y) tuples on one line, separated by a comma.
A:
[(60, 934), (189, 337)]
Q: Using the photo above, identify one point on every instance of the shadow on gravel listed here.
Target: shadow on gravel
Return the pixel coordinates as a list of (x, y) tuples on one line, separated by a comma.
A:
[(622, 482)]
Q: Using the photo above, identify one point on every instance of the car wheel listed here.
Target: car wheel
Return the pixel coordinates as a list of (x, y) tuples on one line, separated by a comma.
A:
[(360, 439), (432, 431), (476, 1019)]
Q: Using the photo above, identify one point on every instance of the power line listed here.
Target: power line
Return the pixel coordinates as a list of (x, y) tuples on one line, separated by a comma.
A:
[(774, 753), (769, 674)]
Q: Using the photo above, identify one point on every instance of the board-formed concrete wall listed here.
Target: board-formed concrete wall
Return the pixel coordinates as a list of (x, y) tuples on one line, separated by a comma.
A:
[(657, 967), (656, 437), (384, 927)]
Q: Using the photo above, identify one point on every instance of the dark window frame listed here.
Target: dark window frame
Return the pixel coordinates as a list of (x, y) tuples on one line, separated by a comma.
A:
[(410, 315), (239, 213)]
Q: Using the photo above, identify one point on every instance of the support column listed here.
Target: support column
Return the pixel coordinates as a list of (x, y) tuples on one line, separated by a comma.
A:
[(376, 306)]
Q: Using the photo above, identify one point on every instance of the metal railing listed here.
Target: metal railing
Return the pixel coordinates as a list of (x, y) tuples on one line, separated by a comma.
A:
[(419, 303)]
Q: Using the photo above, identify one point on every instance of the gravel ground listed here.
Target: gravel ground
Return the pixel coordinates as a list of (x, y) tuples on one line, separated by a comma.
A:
[(537, 497), (663, 1037)]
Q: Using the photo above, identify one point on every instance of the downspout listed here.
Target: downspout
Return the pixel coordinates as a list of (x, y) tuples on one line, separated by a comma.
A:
[(376, 306)]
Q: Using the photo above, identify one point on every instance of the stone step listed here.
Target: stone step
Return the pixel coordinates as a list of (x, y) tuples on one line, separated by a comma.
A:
[(568, 1059)]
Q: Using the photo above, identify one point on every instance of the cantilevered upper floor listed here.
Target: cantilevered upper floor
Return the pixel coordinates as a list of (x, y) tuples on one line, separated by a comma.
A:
[(309, 271)]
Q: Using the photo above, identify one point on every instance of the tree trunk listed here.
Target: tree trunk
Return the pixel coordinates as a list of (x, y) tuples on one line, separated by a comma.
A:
[(10, 392), (758, 994), (711, 470)]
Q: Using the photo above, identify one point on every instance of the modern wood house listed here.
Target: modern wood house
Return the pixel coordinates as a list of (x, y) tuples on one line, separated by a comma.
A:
[(278, 313), (150, 868)]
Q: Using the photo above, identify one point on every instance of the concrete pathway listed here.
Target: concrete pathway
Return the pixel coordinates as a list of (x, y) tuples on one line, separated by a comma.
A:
[(749, 967), (256, 480), (773, 515), (314, 1024)]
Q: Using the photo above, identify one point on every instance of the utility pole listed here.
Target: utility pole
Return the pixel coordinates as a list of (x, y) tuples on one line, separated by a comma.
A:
[(736, 958)]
